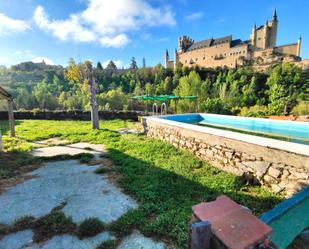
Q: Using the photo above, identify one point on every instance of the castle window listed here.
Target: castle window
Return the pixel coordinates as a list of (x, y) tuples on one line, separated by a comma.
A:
[(204, 58)]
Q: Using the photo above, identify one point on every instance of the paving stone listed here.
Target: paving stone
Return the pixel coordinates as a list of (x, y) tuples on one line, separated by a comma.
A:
[(71, 149), (17, 240), (139, 241), (87, 194)]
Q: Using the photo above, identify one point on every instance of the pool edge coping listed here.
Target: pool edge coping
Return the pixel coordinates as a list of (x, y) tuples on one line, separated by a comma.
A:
[(284, 206)]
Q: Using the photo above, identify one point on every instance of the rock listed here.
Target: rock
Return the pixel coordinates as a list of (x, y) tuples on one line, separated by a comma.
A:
[(260, 167), (270, 179), (234, 171), (202, 151), (209, 153), (247, 157), (301, 175), (285, 174), (229, 155), (274, 172), (276, 188)]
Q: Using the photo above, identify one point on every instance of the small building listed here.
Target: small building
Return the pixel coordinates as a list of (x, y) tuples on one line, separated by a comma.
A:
[(260, 49)]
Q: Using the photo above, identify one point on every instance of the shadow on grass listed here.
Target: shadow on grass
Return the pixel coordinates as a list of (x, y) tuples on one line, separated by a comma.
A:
[(165, 198), (4, 126)]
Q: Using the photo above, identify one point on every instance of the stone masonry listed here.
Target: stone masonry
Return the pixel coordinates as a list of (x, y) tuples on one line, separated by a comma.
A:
[(279, 170)]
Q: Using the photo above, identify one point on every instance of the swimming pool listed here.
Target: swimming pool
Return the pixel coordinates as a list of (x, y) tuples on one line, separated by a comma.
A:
[(281, 163), (292, 131)]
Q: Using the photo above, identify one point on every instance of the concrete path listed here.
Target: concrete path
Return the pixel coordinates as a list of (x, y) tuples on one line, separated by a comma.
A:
[(85, 193), (71, 149)]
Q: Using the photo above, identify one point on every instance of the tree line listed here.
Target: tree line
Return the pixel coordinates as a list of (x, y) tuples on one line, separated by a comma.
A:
[(279, 90)]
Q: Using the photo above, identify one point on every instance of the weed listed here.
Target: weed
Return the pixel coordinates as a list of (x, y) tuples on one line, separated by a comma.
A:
[(23, 223), (109, 244), (90, 227), (101, 170), (52, 224)]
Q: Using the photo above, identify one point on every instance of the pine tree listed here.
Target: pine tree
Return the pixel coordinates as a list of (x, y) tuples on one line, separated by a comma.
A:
[(133, 65)]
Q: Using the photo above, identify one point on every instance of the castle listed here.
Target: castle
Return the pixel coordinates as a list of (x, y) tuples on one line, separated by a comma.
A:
[(259, 50)]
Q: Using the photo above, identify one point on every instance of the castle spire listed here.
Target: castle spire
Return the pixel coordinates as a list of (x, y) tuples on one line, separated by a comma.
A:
[(275, 17), (166, 53)]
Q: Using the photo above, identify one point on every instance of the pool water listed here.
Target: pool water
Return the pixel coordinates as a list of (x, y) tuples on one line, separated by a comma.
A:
[(292, 131)]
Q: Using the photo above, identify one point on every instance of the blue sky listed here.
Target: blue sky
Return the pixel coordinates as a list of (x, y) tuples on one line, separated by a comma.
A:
[(103, 30)]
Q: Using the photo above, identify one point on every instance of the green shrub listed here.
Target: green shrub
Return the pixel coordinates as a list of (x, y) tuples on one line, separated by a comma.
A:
[(301, 109), (254, 111), (52, 224), (101, 170), (90, 227), (216, 106), (23, 223), (109, 244)]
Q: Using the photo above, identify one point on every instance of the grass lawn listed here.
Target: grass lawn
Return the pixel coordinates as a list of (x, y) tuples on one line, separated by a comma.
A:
[(165, 181)]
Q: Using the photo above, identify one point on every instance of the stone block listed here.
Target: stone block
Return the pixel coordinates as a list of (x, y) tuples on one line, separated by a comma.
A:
[(301, 175), (276, 188), (269, 179), (274, 172), (229, 155), (260, 167)]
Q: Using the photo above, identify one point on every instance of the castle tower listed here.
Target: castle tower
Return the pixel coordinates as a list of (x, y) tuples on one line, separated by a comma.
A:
[(253, 36), (299, 46), (273, 31), (176, 59), (166, 59), (266, 39)]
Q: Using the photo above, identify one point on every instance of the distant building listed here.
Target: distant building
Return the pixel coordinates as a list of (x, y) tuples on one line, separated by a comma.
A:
[(259, 50)]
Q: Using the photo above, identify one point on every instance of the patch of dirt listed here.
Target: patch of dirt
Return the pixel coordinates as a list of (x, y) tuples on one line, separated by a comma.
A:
[(54, 141)]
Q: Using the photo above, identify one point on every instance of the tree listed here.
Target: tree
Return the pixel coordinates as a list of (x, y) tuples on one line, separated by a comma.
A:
[(99, 66), (133, 65), (111, 66), (82, 76), (284, 85)]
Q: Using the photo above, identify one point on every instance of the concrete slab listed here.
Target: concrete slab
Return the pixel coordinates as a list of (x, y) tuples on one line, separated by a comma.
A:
[(23, 240), (139, 241), (17, 240), (87, 194), (69, 241), (71, 149)]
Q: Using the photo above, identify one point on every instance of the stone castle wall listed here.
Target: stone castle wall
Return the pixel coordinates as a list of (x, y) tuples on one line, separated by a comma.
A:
[(287, 49), (215, 56), (277, 169)]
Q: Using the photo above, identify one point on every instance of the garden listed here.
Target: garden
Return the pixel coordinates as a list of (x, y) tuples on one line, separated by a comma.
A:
[(164, 181)]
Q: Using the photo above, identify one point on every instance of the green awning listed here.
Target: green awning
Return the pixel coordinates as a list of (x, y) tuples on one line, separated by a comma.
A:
[(163, 98)]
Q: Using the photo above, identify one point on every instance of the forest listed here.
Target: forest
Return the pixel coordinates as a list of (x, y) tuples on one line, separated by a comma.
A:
[(281, 90)]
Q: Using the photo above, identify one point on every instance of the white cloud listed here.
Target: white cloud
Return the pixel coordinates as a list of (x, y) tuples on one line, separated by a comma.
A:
[(40, 59), (24, 53), (12, 26), (105, 22), (194, 16), (117, 41)]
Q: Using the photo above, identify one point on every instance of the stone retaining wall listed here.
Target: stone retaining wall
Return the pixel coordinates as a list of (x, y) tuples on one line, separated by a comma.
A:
[(278, 169)]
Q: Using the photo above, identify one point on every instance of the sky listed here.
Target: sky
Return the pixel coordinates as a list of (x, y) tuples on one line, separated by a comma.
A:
[(104, 30)]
